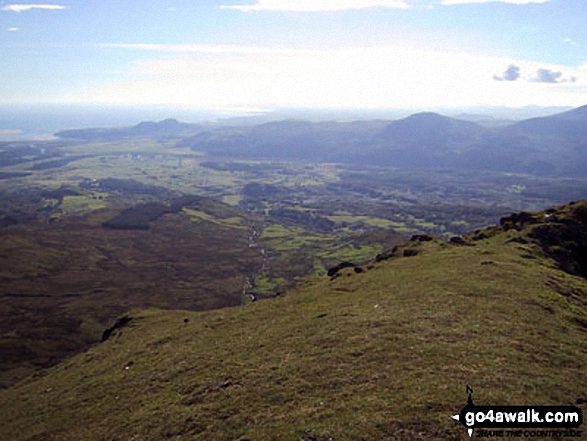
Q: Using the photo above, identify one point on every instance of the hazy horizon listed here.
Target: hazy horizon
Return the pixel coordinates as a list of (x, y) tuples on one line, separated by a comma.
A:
[(41, 121)]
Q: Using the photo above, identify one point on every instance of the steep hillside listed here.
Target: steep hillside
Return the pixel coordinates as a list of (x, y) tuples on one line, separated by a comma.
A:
[(381, 352)]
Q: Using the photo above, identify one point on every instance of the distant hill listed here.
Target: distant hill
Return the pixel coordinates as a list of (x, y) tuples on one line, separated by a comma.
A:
[(431, 129), (570, 126), (381, 352), (552, 146), (162, 129), (424, 140)]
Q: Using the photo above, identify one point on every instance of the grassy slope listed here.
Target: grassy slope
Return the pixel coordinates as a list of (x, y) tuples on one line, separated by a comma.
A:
[(383, 355)]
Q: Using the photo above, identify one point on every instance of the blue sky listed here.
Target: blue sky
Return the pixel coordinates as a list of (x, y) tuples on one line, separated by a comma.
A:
[(266, 54)]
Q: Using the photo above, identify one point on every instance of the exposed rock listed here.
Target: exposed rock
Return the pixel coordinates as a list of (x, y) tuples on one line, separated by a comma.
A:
[(566, 241), (335, 269), (421, 238), (518, 220), (386, 255), (517, 240), (119, 324), (458, 240)]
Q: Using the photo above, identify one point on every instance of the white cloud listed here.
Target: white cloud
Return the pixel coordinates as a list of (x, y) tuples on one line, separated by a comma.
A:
[(514, 2), (28, 7), (360, 77), (542, 75), (317, 5), (549, 76), (13, 29), (512, 73)]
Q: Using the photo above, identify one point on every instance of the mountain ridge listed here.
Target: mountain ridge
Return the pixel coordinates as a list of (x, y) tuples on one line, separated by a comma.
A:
[(570, 125), (554, 145), (551, 146)]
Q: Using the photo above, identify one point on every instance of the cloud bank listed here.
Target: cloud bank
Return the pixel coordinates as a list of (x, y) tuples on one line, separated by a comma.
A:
[(317, 5), (28, 7), (233, 76)]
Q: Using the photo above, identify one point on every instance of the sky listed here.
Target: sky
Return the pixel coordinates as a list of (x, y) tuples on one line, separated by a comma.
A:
[(269, 54)]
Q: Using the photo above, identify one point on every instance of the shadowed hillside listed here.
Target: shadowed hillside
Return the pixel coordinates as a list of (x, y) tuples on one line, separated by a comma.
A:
[(568, 125), (383, 353)]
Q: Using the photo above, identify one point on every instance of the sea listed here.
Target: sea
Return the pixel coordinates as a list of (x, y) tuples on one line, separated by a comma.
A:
[(42, 121)]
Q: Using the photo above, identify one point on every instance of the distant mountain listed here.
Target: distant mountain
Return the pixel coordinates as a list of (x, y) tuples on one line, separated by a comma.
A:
[(424, 140), (290, 139), (553, 145), (431, 129), (571, 126)]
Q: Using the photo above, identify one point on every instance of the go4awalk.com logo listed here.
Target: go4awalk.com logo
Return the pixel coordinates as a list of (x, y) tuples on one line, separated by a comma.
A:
[(520, 421)]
